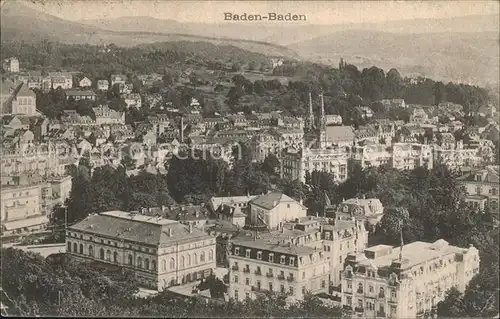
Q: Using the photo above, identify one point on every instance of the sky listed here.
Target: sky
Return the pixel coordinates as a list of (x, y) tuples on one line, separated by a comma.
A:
[(317, 12)]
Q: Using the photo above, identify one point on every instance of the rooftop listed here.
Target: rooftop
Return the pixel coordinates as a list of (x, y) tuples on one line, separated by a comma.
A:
[(155, 231), (271, 200)]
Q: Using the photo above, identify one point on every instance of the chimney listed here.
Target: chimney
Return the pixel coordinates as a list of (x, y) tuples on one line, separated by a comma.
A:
[(190, 228)]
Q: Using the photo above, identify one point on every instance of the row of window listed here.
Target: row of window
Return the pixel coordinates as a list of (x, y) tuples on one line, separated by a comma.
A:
[(185, 261), (270, 273)]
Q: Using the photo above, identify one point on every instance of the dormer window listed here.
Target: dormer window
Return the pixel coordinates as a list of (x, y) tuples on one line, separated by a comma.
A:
[(259, 255), (237, 251), (292, 261), (247, 253), (282, 260), (327, 235)]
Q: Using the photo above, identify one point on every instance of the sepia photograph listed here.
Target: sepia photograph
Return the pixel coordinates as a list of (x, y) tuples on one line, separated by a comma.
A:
[(250, 159)]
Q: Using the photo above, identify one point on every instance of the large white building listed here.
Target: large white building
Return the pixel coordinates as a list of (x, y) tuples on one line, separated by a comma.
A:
[(304, 255), (161, 252), (296, 164), (482, 188), (274, 208), (407, 282)]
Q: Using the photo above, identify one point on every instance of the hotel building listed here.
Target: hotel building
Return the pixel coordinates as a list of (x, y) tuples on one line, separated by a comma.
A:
[(407, 281), (161, 252), (307, 254)]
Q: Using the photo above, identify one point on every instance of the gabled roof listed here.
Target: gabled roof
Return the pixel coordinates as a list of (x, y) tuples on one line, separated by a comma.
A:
[(340, 134), (271, 200)]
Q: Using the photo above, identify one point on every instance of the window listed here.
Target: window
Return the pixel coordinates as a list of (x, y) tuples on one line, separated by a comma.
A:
[(282, 289), (340, 259), (292, 261), (75, 247), (189, 260), (130, 259), (247, 281), (153, 265), (303, 290), (139, 262), (258, 284), (291, 290), (349, 300), (247, 253), (349, 284), (259, 255), (303, 275), (195, 258), (108, 255), (101, 253), (323, 284), (210, 256), (237, 251), (381, 292), (270, 286), (271, 258), (172, 263), (146, 263), (247, 295), (202, 257), (163, 265), (182, 261), (69, 247), (236, 294), (282, 259), (370, 288), (236, 279), (91, 251), (360, 288)]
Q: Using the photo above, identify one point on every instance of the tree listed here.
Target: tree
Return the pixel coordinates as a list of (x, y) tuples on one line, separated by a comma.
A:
[(271, 164)]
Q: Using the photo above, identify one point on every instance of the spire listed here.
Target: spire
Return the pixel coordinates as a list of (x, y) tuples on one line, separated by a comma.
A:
[(311, 114), (322, 120), (402, 242)]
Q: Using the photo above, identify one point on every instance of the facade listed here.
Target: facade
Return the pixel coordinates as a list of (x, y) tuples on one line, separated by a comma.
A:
[(80, 95), (63, 80), (296, 164), (481, 187), (373, 155), (103, 85), (257, 259), (364, 112), (160, 252), (105, 115), (260, 265), (21, 208), (274, 208), (11, 65), (407, 281), (133, 100), (410, 155), (85, 82)]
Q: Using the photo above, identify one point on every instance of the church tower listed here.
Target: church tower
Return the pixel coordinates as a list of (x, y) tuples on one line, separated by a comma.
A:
[(322, 124), (310, 122)]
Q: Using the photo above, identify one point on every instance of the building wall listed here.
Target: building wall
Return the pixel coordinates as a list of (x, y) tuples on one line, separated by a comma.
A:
[(21, 202), (155, 267)]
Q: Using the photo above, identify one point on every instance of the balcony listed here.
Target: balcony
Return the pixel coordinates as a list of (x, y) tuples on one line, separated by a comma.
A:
[(380, 314), (347, 307), (256, 288), (269, 275), (359, 291), (381, 296), (337, 298), (359, 309), (258, 272), (235, 267), (246, 269), (290, 278), (281, 277)]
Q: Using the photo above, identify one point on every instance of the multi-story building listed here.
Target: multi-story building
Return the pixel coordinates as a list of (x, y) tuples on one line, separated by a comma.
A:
[(274, 208), (258, 261), (105, 115), (85, 82), (407, 156), (481, 187), (63, 80), (260, 265), (102, 85), (80, 95), (262, 145), (11, 65), (407, 281), (296, 164), (21, 208), (372, 155), (459, 157), (160, 252)]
